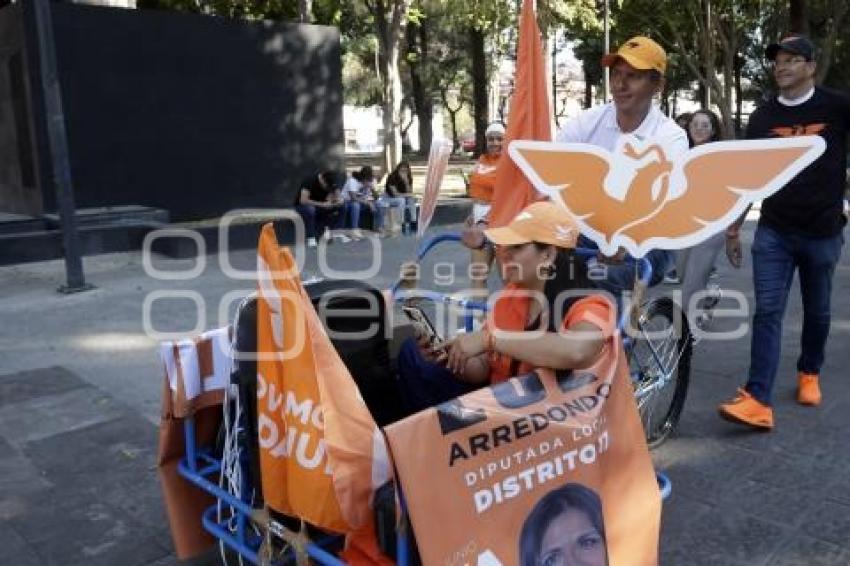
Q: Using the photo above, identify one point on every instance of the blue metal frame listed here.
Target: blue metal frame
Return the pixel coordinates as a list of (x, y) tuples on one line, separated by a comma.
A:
[(199, 464)]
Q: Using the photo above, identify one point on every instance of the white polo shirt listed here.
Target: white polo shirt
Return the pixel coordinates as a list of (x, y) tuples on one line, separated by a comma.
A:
[(598, 126)]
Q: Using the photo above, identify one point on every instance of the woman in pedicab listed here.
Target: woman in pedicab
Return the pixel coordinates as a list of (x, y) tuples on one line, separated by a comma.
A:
[(570, 330)]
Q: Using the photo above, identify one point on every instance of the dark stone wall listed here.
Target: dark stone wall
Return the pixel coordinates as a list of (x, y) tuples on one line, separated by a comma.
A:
[(18, 188), (194, 114)]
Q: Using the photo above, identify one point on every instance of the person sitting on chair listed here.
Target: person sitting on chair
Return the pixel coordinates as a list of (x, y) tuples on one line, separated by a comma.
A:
[(535, 256)]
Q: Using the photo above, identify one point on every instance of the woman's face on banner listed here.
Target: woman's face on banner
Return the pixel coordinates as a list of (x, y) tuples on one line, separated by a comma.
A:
[(572, 540)]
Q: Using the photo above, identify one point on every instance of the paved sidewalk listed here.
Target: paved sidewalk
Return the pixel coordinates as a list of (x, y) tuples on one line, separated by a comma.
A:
[(79, 399)]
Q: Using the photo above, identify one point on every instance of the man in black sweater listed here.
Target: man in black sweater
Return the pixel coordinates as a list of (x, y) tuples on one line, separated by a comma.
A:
[(800, 228), (320, 205)]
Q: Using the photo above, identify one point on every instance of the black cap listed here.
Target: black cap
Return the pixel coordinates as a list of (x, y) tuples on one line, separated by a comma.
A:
[(796, 44)]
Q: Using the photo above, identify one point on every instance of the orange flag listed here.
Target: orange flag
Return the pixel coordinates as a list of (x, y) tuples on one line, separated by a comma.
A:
[(321, 453), (530, 119)]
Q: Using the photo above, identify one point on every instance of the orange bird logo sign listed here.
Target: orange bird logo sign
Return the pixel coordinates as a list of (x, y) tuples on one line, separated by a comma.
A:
[(639, 199)]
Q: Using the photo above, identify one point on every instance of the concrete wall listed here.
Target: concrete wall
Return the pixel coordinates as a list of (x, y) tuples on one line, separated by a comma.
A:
[(194, 114), (18, 188)]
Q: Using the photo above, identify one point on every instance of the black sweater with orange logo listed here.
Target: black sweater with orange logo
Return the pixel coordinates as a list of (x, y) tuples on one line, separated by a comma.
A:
[(811, 203)]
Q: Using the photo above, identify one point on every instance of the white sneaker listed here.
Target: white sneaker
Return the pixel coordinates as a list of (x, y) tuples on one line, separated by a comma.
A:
[(342, 238), (311, 242), (356, 234)]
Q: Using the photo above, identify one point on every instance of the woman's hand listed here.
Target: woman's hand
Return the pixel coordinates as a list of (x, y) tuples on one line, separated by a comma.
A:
[(428, 352), (462, 348), (473, 237)]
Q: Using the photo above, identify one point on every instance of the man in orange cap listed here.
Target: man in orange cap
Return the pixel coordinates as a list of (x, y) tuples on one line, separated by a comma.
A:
[(637, 75)]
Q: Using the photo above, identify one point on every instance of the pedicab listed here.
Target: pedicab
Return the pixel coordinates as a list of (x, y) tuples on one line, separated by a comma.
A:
[(229, 470)]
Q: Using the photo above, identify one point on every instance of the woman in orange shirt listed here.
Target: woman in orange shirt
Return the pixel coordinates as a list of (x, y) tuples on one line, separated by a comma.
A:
[(541, 319), (481, 184)]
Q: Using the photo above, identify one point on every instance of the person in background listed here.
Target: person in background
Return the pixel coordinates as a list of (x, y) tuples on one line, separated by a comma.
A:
[(481, 184), (359, 193), (800, 229), (672, 277), (320, 205), (398, 195), (694, 265)]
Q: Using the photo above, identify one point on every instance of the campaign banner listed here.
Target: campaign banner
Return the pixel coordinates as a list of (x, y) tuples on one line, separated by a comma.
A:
[(541, 469), (640, 198)]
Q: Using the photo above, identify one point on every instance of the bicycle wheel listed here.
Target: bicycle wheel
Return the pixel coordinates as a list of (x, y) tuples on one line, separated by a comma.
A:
[(660, 363)]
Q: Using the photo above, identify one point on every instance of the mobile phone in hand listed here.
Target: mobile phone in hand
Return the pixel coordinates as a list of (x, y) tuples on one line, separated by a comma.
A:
[(423, 326)]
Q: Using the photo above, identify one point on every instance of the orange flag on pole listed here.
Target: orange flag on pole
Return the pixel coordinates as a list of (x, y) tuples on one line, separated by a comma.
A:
[(529, 119), (321, 453)]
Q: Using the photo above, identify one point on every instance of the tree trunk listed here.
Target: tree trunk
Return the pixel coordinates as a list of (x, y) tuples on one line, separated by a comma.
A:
[(390, 19), (739, 94), (305, 11), (588, 88), (798, 15), (417, 42), (839, 11), (479, 88), (453, 118)]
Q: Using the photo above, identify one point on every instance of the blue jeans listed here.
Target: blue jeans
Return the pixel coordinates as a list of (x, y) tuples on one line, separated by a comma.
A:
[(423, 384), (316, 220), (775, 257), (352, 214)]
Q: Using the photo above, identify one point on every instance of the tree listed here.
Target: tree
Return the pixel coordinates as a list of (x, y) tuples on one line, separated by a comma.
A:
[(705, 34), (305, 11), (390, 19), (482, 22)]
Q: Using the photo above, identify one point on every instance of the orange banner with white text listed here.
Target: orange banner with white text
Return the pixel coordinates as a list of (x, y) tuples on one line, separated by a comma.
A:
[(540, 469), (321, 453)]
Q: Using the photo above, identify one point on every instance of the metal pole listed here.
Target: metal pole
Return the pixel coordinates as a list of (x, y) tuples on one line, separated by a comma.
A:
[(607, 20), (60, 164)]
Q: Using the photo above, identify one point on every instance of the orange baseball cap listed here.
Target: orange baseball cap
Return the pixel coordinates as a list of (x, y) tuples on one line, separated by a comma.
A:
[(641, 53), (543, 222)]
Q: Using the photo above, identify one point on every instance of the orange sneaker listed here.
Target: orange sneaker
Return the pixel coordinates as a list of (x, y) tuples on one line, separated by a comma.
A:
[(808, 390), (745, 409)]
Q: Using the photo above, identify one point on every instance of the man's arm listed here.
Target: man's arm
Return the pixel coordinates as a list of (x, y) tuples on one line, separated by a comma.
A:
[(305, 199)]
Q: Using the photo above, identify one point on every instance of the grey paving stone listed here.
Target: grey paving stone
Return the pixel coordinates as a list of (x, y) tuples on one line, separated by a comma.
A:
[(677, 515), (127, 442), (786, 505), (43, 417), (17, 473), (789, 472), (805, 551), (14, 549), (25, 385), (830, 522), (724, 537), (71, 529)]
